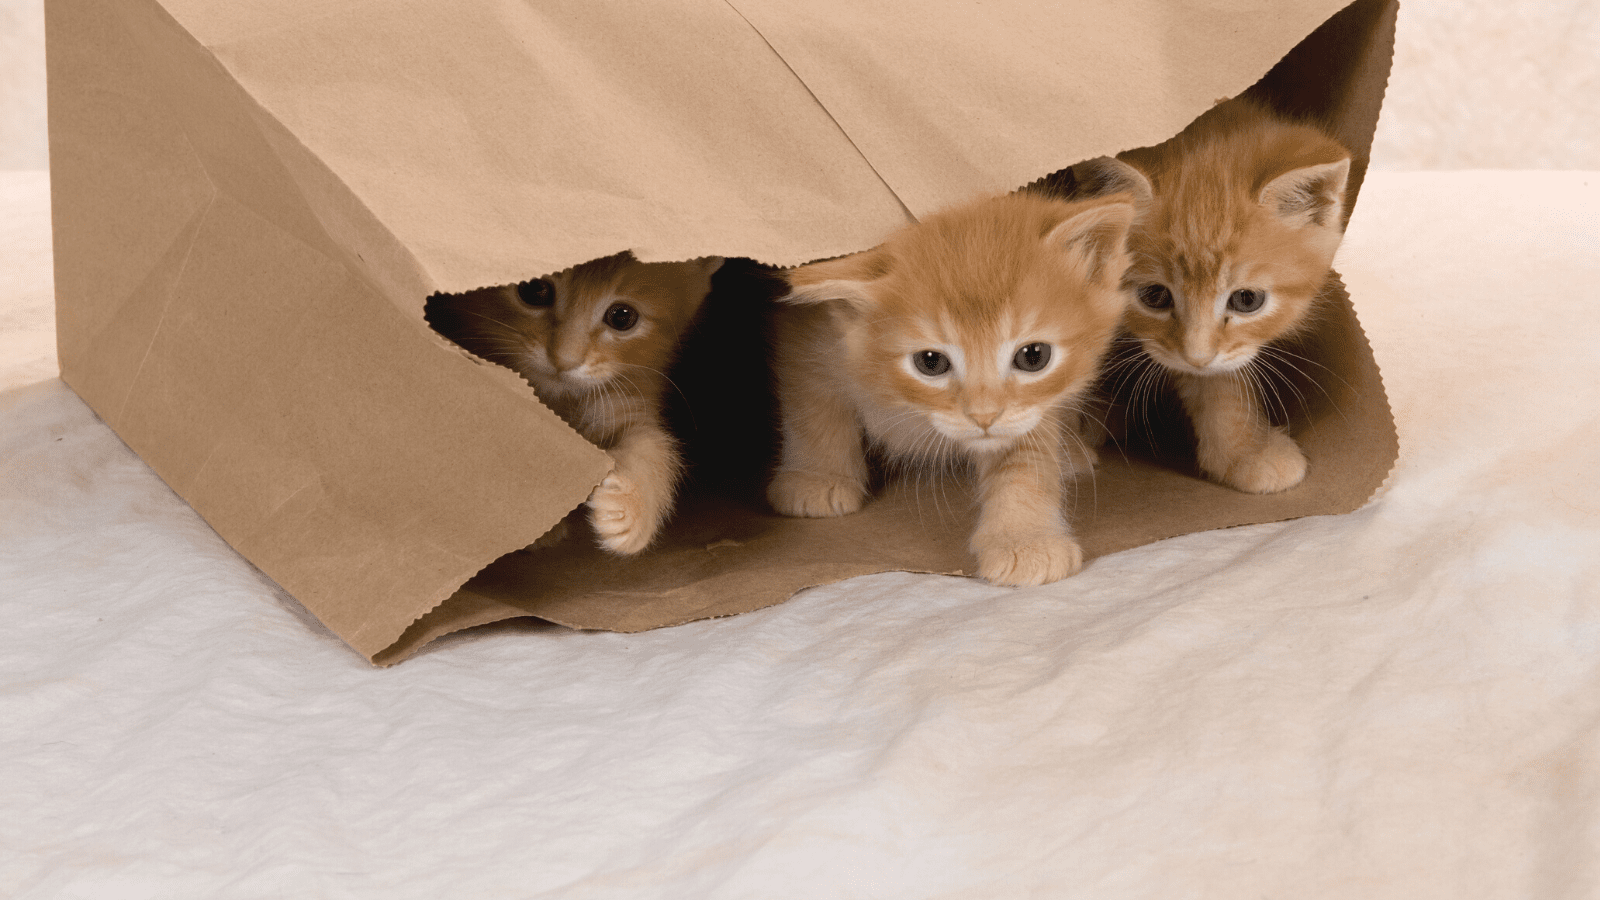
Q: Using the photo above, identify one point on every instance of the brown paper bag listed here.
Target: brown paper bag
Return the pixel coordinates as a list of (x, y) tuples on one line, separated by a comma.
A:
[(253, 201)]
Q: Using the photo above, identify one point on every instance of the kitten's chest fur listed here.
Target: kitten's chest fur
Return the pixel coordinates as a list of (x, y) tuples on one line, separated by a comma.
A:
[(904, 435)]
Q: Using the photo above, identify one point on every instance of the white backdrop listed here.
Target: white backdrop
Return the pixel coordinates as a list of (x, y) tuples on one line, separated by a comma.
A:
[(22, 121), (1477, 84), (1397, 704)]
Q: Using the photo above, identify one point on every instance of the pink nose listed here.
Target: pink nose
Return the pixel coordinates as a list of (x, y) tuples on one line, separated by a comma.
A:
[(983, 419), (564, 363)]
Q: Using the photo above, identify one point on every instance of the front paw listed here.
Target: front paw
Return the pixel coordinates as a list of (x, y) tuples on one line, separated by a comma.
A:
[(813, 496), (1019, 559), (623, 519), (1278, 466)]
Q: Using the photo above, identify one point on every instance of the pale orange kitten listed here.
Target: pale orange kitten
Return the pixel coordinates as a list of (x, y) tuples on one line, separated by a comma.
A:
[(969, 336), (1243, 212), (595, 341)]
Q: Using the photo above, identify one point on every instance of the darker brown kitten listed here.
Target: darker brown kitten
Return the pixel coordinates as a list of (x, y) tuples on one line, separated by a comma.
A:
[(595, 342)]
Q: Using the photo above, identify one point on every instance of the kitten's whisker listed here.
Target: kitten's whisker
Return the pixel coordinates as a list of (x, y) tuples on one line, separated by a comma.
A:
[(1127, 370), (1288, 358), (1285, 357), (1072, 435), (926, 457), (1086, 412), (1274, 380), (1152, 378), (1270, 403), (1124, 357), (1037, 444), (668, 379), (1287, 354), (600, 403), (1255, 392), (506, 325)]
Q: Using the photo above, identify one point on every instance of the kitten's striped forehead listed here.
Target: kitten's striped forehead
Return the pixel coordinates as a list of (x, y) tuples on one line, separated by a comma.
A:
[(1192, 244), (587, 285), (1202, 266), (953, 324)]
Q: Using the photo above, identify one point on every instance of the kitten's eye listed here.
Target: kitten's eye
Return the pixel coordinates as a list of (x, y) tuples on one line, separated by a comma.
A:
[(538, 292), (1155, 296), (930, 362), (1032, 358), (621, 316), (1246, 300)]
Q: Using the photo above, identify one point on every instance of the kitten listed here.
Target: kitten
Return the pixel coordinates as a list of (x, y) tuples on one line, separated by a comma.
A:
[(595, 341), (1241, 216), (969, 336)]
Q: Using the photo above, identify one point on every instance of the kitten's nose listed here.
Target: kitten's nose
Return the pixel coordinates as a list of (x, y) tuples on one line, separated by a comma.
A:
[(564, 362), (1197, 357), (983, 419), (568, 348)]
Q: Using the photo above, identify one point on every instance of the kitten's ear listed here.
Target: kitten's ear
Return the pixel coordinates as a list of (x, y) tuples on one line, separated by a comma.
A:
[(1309, 195), (1105, 175), (692, 275), (848, 278), (1095, 235)]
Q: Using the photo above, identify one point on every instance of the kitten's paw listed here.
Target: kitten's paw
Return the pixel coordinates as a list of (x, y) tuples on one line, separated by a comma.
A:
[(1279, 466), (1019, 559), (622, 518), (812, 496)]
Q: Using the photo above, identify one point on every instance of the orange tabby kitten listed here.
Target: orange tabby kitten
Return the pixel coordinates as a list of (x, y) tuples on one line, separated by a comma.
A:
[(968, 336), (1243, 213), (594, 341)]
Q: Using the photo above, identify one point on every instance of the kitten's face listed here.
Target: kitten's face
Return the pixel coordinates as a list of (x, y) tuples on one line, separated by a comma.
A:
[(980, 381), (1210, 294), (603, 324), (982, 324), (1219, 273)]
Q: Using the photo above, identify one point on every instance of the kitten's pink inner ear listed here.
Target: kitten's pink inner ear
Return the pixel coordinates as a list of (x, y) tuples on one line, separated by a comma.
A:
[(849, 278), (1106, 175), (1097, 237), (857, 294), (1310, 195)]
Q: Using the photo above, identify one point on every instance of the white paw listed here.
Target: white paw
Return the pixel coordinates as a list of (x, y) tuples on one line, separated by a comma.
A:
[(813, 496), (1277, 467), (1018, 559), (622, 519)]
